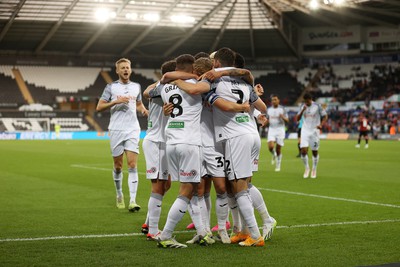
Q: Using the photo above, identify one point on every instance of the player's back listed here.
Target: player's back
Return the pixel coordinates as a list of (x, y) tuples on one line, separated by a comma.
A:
[(183, 126), (232, 124), (156, 121)]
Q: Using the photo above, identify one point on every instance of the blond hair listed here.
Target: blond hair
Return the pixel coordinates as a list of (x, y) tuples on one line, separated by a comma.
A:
[(202, 65), (122, 60)]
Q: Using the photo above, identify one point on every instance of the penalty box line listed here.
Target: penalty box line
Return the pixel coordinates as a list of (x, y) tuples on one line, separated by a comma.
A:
[(331, 198), (186, 231)]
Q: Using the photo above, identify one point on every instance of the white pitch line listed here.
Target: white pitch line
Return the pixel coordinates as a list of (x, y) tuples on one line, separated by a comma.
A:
[(95, 168), (332, 198), (186, 231)]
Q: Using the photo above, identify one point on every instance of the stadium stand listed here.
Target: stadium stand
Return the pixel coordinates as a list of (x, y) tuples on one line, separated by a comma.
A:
[(10, 95)]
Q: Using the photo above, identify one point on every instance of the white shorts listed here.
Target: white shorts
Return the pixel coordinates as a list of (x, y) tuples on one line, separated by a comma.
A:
[(277, 136), (213, 161), (255, 152), (184, 162), (310, 139), (156, 160), (124, 140), (239, 153)]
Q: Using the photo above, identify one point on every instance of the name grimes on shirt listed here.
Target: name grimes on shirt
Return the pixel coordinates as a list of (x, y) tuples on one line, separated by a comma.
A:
[(170, 87)]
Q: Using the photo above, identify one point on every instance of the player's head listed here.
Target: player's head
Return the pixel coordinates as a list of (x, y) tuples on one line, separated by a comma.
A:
[(307, 99), (224, 57), (168, 66), (239, 61), (201, 54), (185, 63), (202, 65), (275, 100), (123, 69)]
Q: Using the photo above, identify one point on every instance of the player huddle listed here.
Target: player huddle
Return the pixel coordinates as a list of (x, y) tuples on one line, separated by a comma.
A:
[(201, 131)]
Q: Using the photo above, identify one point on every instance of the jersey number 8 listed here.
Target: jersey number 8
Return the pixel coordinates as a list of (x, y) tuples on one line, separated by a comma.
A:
[(176, 100)]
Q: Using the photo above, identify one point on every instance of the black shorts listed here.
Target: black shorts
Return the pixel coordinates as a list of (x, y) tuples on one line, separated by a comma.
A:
[(363, 133), (299, 133)]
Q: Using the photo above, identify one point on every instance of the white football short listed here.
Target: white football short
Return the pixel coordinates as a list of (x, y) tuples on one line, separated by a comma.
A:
[(239, 156), (213, 161), (124, 140), (277, 136), (184, 162), (310, 139), (156, 160), (255, 152)]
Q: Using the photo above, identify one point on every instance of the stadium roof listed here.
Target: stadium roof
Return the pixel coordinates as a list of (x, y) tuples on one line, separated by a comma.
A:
[(160, 29)]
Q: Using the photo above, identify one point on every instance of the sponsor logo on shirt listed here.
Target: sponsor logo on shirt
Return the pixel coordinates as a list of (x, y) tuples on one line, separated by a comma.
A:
[(149, 124), (241, 119), (176, 124)]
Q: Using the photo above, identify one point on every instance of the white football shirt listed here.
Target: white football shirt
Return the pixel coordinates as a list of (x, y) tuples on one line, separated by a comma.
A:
[(183, 126), (123, 116), (275, 122), (311, 117)]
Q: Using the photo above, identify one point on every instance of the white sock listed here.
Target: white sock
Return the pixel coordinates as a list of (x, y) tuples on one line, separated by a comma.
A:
[(196, 215), (118, 177), (315, 161), (305, 160), (204, 214), (278, 161), (207, 200), (246, 209), (133, 181), (259, 204), (175, 215), (222, 208), (154, 212), (233, 206)]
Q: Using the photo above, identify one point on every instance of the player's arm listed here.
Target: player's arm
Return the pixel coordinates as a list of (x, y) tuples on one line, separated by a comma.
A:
[(323, 120), (148, 89), (141, 108), (261, 118), (284, 116), (298, 116), (226, 105), (175, 75), (260, 105), (245, 74), (259, 89), (103, 104), (168, 108), (192, 88)]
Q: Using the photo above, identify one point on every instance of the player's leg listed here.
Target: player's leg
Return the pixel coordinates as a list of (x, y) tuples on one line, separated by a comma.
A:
[(117, 151), (238, 151), (366, 139), (298, 142), (271, 148), (133, 179), (359, 140), (118, 178), (279, 145), (315, 155), (304, 144)]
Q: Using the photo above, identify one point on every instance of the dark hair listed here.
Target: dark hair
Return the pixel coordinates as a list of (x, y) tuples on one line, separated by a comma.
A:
[(274, 95), (184, 62), (239, 61), (168, 66), (201, 54), (307, 96), (225, 56)]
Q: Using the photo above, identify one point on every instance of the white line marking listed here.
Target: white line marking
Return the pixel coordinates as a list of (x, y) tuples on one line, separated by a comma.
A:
[(96, 168), (332, 198), (187, 231)]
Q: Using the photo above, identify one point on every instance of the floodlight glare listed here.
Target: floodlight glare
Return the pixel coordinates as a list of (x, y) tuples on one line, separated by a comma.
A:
[(339, 2), (102, 14), (314, 4), (182, 19), (151, 17)]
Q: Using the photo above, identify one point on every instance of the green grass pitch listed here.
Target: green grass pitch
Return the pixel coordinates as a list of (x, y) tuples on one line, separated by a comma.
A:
[(348, 216)]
